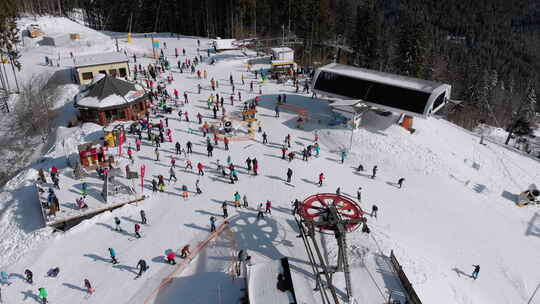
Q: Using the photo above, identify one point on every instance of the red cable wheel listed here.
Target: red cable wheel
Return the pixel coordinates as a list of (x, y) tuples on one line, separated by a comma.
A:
[(316, 207)]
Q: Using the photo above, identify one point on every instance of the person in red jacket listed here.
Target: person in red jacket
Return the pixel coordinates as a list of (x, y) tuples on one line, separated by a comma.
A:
[(188, 165), (200, 166), (321, 178), (170, 258), (268, 207), (137, 229), (226, 143)]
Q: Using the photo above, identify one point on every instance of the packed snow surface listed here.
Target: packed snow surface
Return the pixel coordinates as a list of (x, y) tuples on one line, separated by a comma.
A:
[(456, 208)]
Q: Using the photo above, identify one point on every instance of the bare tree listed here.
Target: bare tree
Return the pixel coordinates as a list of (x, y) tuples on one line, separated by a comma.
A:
[(34, 115)]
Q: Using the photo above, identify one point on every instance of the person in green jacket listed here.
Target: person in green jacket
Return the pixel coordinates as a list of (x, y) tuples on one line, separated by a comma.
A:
[(43, 295)]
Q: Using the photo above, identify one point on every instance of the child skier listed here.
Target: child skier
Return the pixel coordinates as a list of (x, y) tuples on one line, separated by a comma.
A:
[(142, 267), (137, 230), (112, 252), (88, 286), (224, 207), (260, 213), (117, 223), (29, 276), (268, 207), (321, 178), (143, 217), (212, 223), (185, 252), (170, 258)]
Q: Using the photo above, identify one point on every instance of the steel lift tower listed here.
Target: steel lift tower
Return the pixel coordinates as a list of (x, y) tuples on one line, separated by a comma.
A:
[(328, 213)]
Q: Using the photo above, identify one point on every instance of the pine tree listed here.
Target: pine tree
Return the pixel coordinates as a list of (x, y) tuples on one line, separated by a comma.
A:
[(412, 48)]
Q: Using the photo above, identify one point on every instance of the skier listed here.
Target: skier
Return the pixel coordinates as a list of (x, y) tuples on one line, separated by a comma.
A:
[(154, 186), (184, 192), (338, 191), (198, 189), (200, 167), (296, 204), (142, 267), (185, 252), (375, 168), (245, 201), (224, 207), (255, 164), (248, 163), (289, 175), (260, 213), (43, 295), (178, 147), (359, 194), (117, 223), (374, 210), (237, 198), (170, 258), (212, 223), (226, 142), (400, 182), (283, 151), (317, 150), (188, 165), (156, 151), (321, 178), (137, 229), (143, 217), (29, 276), (53, 272), (265, 138), (268, 207), (112, 252), (88, 286), (343, 156), (475, 272), (172, 175), (189, 145)]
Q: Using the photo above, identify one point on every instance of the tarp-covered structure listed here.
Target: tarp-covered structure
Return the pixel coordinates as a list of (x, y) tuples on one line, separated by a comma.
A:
[(401, 94)]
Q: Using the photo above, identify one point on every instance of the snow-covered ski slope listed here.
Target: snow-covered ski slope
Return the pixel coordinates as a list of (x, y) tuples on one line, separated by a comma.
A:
[(455, 208)]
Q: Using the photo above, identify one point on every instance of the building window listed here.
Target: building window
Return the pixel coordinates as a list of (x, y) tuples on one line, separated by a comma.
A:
[(122, 72), (103, 72), (113, 72), (87, 76)]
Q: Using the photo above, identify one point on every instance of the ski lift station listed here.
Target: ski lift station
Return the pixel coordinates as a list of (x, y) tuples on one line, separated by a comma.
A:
[(224, 44), (282, 54), (400, 94)]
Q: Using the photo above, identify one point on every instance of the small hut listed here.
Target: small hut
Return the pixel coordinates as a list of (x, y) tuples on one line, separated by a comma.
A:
[(110, 99)]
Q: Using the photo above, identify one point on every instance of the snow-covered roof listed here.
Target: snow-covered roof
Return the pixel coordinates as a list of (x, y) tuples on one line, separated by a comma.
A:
[(382, 77), (100, 58), (109, 92)]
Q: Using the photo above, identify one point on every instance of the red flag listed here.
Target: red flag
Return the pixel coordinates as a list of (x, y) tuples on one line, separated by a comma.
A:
[(122, 138), (143, 169)]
